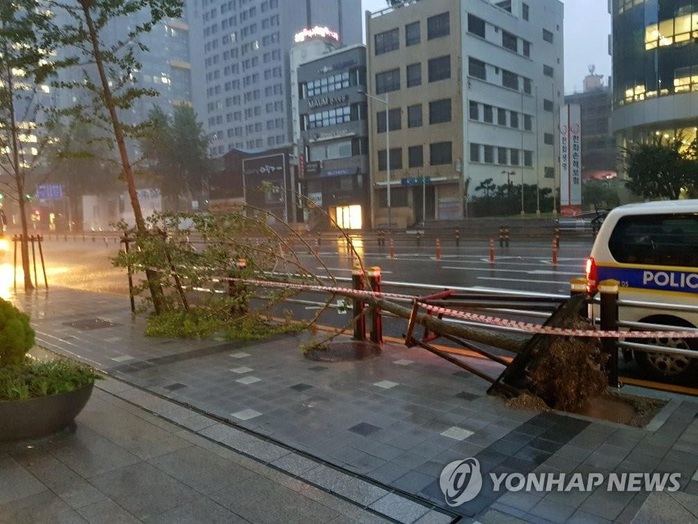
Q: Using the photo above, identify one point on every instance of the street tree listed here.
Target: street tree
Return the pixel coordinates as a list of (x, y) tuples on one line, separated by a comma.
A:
[(24, 67), (176, 151), (103, 65), (662, 167)]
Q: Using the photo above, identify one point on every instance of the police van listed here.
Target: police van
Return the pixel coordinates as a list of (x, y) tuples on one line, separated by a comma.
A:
[(651, 249)]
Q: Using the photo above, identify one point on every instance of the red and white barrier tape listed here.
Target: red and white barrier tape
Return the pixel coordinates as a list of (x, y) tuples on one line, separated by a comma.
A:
[(484, 319)]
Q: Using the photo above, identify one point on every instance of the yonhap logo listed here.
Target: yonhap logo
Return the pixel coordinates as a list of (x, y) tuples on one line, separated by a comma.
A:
[(461, 481)]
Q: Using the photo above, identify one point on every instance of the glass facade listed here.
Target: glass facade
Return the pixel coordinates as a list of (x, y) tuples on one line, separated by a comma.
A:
[(654, 53)]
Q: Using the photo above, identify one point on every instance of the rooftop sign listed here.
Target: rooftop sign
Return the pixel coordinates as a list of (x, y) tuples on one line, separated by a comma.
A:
[(316, 32)]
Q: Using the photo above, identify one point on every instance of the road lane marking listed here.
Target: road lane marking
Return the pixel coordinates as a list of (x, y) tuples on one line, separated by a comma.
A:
[(528, 272), (521, 280)]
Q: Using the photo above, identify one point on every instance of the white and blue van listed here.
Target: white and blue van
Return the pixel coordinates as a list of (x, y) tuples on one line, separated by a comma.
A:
[(651, 249)]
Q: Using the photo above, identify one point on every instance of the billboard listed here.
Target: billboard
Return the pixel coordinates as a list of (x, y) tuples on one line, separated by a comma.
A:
[(570, 159)]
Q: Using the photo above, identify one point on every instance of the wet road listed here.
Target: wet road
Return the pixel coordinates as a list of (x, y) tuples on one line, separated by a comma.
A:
[(525, 266)]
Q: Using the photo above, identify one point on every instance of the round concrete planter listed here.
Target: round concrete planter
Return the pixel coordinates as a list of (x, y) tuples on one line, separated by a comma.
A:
[(41, 416)]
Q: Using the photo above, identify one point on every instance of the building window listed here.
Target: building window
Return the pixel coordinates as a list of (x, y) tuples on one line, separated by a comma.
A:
[(395, 159), (440, 111), (476, 68), (414, 75), (527, 85), (510, 80), (387, 41), (412, 34), (528, 122), (502, 155), (388, 81), (414, 116), (549, 172), (547, 70), (438, 26), (526, 48), (488, 114), (514, 119), (394, 120), (548, 139), (415, 156), (528, 158), (474, 152), (514, 156), (476, 25), (440, 68), (329, 118), (489, 154), (509, 41), (547, 36), (547, 105), (474, 110), (524, 11), (440, 153), (501, 116)]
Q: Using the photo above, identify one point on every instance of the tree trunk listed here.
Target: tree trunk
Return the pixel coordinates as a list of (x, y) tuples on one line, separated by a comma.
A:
[(152, 276), (19, 181)]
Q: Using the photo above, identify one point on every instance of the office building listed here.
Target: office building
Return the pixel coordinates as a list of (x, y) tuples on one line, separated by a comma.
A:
[(242, 89), (599, 152), (655, 76), (333, 167), (472, 90)]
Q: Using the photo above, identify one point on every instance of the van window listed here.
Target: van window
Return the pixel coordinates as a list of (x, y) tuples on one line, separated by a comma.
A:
[(660, 240)]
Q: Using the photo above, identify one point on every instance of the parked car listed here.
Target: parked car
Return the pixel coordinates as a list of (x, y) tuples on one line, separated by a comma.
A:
[(651, 249), (583, 222)]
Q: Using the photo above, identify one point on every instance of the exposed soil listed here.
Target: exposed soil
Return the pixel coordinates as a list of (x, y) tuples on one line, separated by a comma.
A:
[(344, 351), (612, 406)]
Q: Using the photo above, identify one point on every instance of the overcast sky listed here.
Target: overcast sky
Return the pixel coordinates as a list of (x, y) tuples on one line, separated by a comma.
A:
[(587, 26)]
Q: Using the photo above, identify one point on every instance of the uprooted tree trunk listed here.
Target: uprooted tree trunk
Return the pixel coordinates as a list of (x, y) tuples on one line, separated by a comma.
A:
[(227, 238)]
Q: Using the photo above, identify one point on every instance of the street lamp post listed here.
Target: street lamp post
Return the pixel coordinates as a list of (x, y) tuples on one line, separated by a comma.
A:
[(535, 115), (387, 147), (509, 174), (522, 153)]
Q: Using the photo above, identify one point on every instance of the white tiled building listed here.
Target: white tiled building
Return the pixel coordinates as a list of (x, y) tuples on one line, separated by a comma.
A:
[(473, 89)]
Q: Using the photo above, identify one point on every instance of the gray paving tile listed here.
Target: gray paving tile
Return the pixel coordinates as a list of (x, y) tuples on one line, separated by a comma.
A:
[(245, 414), (399, 508), (143, 490), (434, 517), (202, 470), (16, 482), (353, 488), (244, 499), (107, 512), (200, 510), (606, 504), (44, 506), (551, 511), (294, 463), (668, 507)]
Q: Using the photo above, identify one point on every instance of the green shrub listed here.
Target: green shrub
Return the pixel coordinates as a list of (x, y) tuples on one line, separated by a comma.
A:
[(31, 378), (16, 335)]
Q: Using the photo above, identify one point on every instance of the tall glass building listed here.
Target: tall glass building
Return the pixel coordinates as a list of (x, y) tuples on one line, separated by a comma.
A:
[(655, 69), (241, 70)]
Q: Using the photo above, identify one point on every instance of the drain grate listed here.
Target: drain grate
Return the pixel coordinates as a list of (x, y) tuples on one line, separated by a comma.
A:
[(91, 323)]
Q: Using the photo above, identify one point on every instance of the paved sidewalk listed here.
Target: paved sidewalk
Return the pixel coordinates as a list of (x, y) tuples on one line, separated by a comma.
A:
[(255, 431)]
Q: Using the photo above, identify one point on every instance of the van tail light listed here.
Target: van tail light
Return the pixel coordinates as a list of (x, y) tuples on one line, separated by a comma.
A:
[(591, 274)]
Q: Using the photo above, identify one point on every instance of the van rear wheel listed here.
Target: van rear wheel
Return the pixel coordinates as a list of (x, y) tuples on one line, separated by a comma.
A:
[(676, 369)]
